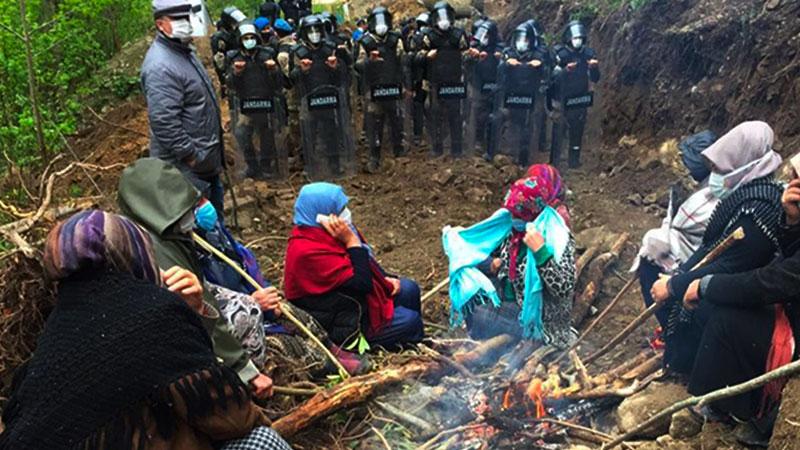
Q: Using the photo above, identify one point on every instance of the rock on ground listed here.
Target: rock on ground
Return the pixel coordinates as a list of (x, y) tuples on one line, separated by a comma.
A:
[(640, 407), (786, 435)]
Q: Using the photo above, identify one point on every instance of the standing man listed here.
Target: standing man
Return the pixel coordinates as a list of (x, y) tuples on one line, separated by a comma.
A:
[(417, 68), (381, 62), (443, 46), (258, 83), (576, 66), (224, 40), (483, 59), (184, 115)]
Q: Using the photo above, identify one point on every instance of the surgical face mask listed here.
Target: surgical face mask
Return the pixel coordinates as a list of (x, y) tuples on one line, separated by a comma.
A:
[(347, 216), (314, 36), (522, 44), (206, 216), (185, 224), (181, 30), (443, 20), (518, 224), (716, 183), (577, 43), (249, 44)]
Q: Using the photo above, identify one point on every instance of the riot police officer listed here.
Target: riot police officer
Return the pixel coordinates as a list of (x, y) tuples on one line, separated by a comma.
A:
[(443, 46), (255, 77), (320, 79), (576, 65), (224, 40), (482, 60), (417, 68), (543, 99), (519, 78), (381, 63)]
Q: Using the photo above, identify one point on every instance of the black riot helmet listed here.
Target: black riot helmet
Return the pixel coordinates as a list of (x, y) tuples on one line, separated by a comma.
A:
[(574, 35), (485, 33), (536, 27), (442, 16), (423, 20), (379, 21), (270, 10), (523, 39), (329, 22), (312, 29), (231, 17)]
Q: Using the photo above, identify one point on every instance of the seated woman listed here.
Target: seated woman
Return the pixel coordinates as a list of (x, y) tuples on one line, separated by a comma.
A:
[(332, 273), (753, 329), (514, 273), (665, 248), (742, 164), (122, 362), (264, 333)]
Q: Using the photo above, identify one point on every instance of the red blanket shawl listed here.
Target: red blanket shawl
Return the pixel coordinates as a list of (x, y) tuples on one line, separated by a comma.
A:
[(780, 354), (317, 263)]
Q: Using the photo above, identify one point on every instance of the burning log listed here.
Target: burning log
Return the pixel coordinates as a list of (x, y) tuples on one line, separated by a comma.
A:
[(595, 275), (583, 374), (356, 390), (643, 370), (614, 374)]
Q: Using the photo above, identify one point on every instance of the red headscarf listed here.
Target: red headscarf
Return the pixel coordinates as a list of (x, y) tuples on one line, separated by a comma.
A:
[(317, 263), (526, 199)]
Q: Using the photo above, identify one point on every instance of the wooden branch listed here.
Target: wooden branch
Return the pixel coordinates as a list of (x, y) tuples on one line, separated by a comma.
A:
[(359, 389), (627, 366), (284, 390), (381, 437), (644, 369), (584, 260), (583, 374), (596, 273), (600, 317), (407, 418), (599, 436), (435, 289), (115, 125), (713, 396)]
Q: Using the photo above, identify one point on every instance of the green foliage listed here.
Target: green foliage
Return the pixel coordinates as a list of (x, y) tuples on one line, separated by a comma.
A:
[(590, 9), (71, 41)]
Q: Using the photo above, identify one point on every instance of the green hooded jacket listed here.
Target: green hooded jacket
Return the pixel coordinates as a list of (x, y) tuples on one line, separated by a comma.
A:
[(156, 195)]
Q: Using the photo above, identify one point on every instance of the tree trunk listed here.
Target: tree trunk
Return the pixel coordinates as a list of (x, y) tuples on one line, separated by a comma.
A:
[(32, 86)]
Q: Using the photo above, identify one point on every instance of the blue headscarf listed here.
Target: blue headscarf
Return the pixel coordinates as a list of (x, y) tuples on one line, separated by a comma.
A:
[(318, 198), (260, 23)]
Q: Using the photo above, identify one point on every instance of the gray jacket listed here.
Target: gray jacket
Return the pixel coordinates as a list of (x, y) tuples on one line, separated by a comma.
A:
[(183, 110)]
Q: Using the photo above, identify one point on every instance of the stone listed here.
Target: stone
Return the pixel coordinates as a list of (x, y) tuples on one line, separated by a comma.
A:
[(651, 198), (684, 425), (628, 141), (639, 407), (635, 199), (502, 161), (444, 177)]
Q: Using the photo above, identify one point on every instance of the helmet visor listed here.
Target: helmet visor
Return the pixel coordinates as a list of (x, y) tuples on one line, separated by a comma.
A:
[(482, 35), (314, 34), (443, 20), (521, 42), (381, 24)]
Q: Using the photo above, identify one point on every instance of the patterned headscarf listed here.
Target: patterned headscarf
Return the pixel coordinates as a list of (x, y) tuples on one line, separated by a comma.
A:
[(95, 240), (526, 199)]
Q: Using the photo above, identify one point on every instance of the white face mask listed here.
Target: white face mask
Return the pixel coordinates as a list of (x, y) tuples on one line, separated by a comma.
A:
[(716, 183), (443, 24), (522, 44), (314, 36), (577, 43), (381, 29), (181, 29), (249, 44)]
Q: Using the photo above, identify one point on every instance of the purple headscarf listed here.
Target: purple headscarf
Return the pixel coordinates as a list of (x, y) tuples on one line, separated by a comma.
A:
[(95, 240)]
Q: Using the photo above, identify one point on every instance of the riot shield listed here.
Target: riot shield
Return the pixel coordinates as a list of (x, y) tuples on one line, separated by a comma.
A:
[(513, 126), (480, 114), (327, 133), (268, 117)]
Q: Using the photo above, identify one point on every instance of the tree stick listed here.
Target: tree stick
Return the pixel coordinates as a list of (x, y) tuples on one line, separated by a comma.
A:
[(115, 125), (408, 418), (284, 390), (735, 236), (584, 260), (730, 391), (435, 289), (210, 248), (599, 318)]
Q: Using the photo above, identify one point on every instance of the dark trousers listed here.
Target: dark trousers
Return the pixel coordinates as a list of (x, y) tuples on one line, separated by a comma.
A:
[(266, 161), (648, 275), (215, 193), (378, 114), (441, 114), (418, 115), (487, 321), (571, 122), (406, 326), (733, 349)]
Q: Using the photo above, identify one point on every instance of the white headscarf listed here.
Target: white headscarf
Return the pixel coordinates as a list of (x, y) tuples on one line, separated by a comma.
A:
[(744, 154)]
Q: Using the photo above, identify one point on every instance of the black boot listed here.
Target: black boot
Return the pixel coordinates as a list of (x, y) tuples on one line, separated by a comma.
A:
[(574, 157)]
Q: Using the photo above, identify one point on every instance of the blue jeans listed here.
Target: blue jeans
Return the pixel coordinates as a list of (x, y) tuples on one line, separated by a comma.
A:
[(406, 326)]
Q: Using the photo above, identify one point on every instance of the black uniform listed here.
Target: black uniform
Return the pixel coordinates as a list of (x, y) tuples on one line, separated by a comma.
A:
[(482, 75), (328, 147), (519, 80), (446, 79), (417, 69), (571, 80), (259, 90), (385, 81)]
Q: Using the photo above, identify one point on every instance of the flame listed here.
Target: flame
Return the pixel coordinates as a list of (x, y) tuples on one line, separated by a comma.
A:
[(507, 400), (535, 394)]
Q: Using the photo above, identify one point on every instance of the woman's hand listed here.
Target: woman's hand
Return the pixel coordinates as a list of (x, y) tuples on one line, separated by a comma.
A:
[(790, 199), (660, 289), (186, 285), (691, 299), (395, 285), (269, 300), (495, 266), (339, 229), (534, 240), (262, 386)]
